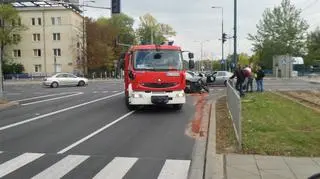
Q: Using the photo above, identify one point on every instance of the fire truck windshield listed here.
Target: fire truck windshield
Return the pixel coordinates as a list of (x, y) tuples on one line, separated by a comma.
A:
[(157, 60)]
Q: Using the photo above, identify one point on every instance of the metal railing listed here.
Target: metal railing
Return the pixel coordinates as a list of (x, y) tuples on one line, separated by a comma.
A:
[(234, 105)]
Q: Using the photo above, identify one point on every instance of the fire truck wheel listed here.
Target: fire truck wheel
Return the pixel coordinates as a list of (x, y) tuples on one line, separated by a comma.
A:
[(177, 106)]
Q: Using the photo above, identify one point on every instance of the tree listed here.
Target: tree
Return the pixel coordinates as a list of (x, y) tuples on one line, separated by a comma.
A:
[(281, 31), (151, 31), (216, 65), (101, 35), (313, 47), (243, 59), (10, 28)]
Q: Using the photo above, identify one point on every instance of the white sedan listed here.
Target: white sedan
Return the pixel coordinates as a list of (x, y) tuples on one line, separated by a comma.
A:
[(64, 79), (222, 77)]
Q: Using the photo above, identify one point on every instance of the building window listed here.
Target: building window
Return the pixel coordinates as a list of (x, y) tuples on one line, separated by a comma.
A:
[(39, 21), (37, 68), (56, 36), (59, 20), (37, 52), (57, 52), (17, 53), (16, 37), (56, 20), (33, 21), (36, 37)]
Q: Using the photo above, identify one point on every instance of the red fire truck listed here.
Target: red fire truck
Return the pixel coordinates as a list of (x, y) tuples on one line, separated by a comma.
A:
[(154, 75)]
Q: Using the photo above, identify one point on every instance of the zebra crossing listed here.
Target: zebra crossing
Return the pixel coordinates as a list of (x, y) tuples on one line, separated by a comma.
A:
[(33, 165)]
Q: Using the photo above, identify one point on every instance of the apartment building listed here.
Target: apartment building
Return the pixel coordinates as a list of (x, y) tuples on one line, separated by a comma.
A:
[(53, 39)]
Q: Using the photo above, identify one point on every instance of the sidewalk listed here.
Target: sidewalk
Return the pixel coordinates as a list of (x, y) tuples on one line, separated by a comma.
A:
[(238, 166), (270, 167)]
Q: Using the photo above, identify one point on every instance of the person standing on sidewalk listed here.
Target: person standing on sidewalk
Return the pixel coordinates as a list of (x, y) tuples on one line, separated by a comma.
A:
[(259, 79), (250, 78), (240, 79)]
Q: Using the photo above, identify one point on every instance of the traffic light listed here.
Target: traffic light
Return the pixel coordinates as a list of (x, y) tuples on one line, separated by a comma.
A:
[(224, 37), (115, 6)]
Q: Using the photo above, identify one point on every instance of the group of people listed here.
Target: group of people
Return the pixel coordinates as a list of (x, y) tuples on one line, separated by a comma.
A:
[(245, 76)]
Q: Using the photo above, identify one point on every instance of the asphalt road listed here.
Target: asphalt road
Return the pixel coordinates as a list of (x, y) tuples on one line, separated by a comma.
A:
[(86, 132)]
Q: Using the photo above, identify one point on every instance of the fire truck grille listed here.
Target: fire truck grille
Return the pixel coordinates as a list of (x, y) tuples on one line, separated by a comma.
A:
[(159, 85)]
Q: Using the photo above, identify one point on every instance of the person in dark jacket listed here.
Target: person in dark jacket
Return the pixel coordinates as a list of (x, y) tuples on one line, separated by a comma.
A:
[(259, 79), (240, 79)]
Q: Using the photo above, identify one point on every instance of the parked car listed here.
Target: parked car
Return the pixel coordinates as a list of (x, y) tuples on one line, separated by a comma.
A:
[(221, 77), (64, 79)]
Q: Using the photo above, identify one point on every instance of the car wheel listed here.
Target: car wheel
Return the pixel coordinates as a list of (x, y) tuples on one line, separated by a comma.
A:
[(177, 106), (81, 83), (54, 85)]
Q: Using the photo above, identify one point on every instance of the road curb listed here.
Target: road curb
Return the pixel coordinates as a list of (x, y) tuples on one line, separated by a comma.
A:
[(206, 164), (214, 162), (9, 105), (197, 167)]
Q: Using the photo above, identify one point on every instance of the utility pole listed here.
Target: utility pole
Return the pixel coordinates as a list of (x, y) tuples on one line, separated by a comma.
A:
[(222, 40), (235, 56)]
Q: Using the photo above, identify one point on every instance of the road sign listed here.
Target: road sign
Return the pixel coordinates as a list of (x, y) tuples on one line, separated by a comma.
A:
[(222, 61)]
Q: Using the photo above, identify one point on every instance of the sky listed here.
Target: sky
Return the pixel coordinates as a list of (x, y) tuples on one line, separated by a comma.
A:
[(196, 22)]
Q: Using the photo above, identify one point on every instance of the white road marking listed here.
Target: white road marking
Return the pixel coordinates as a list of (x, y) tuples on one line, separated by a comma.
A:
[(49, 95), (61, 168), (95, 92), (95, 133), (114, 91), (51, 99), (175, 169), (18, 162), (117, 168), (57, 112), (105, 91), (1, 152)]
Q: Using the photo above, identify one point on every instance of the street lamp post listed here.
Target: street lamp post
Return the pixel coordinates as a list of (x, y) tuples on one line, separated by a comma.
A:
[(222, 32), (201, 52)]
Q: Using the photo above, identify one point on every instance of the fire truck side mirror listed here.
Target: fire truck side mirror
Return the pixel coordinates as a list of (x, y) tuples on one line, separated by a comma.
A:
[(191, 56), (191, 64)]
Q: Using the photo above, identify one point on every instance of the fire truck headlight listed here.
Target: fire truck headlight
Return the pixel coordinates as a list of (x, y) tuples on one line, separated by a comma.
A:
[(137, 95), (180, 95)]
